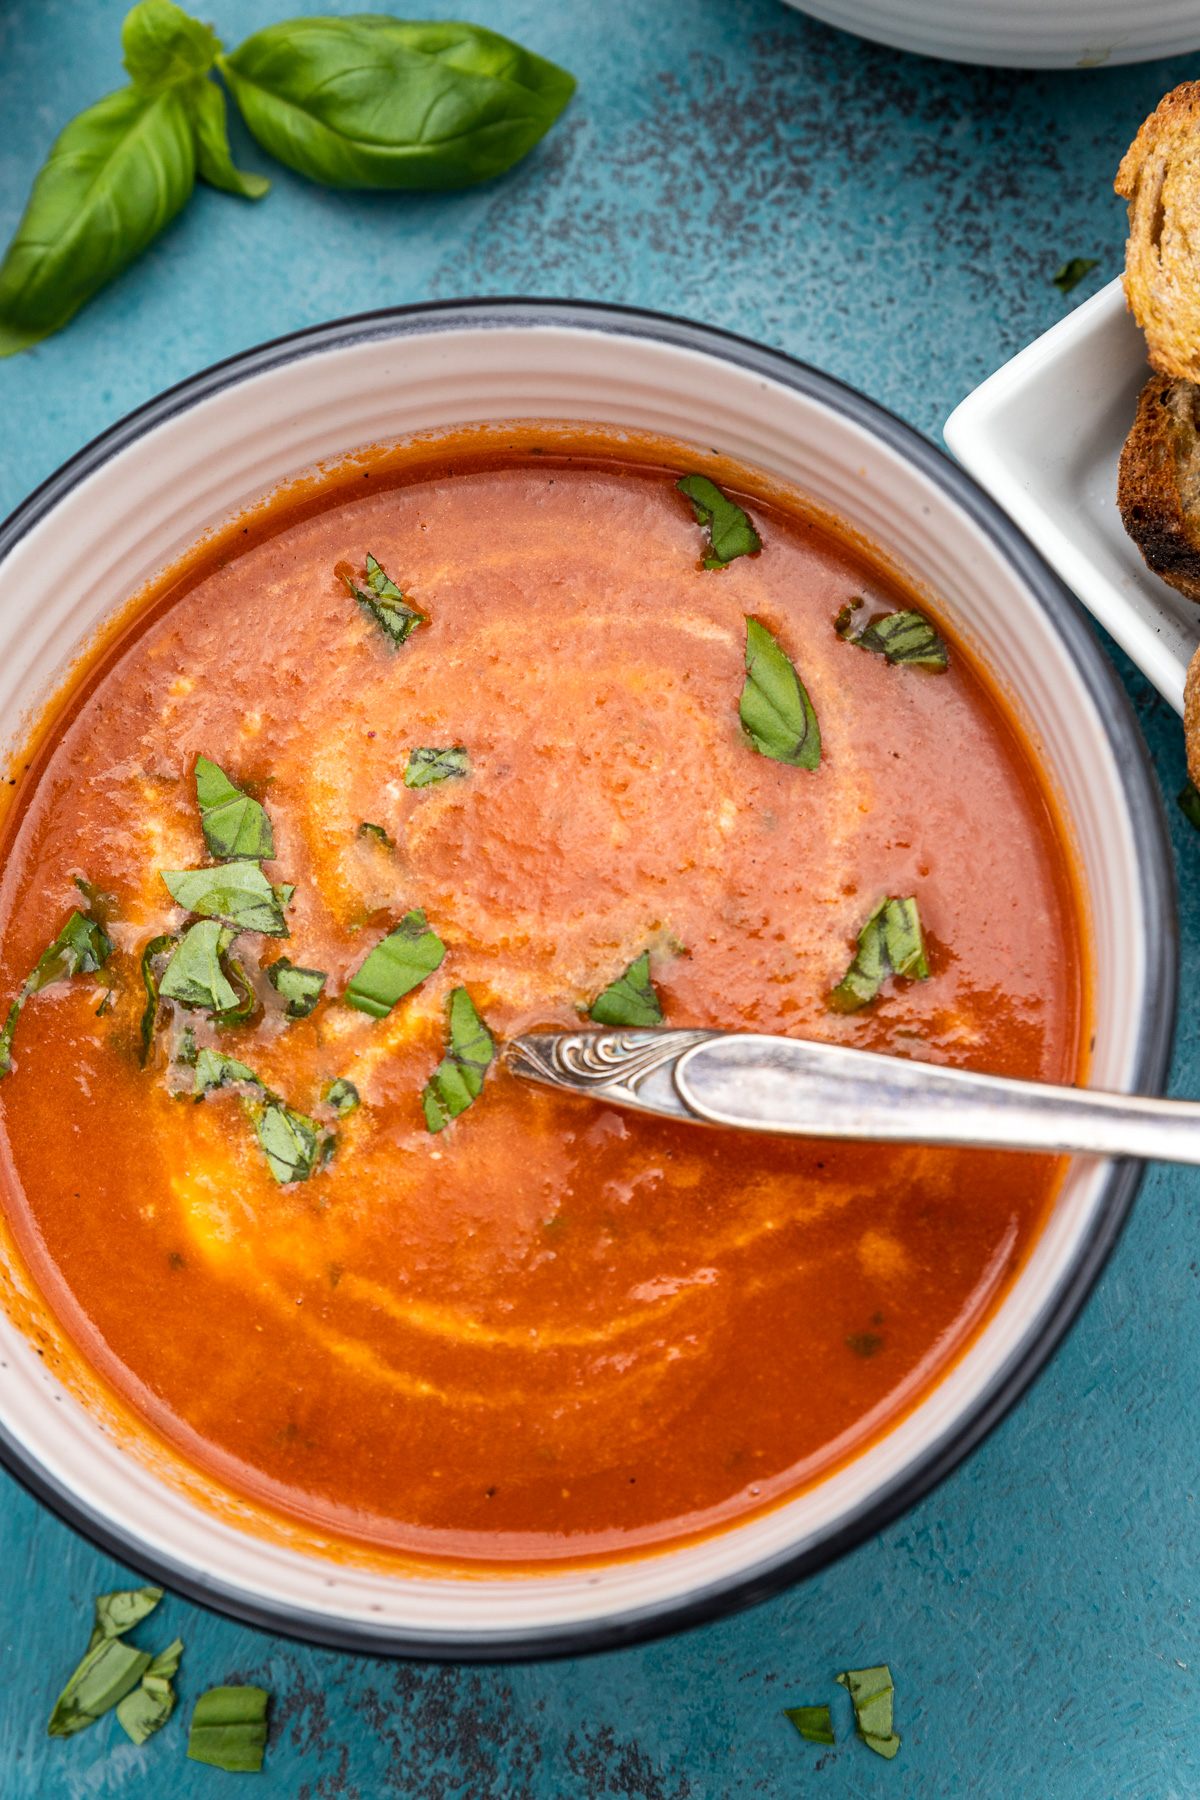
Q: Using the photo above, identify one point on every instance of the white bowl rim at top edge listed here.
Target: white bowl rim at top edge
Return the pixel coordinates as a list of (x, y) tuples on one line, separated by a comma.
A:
[(127, 505)]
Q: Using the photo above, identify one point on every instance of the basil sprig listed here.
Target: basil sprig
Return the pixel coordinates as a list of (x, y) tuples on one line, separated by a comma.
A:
[(403, 959), (630, 999), (890, 943), (236, 892), (229, 1728), (458, 1078), (109, 1668), (871, 1692), (117, 173), (427, 765), (301, 988), (774, 708), (385, 604), (900, 637), (234, 825), (81, 947), (147, 1708), (730, 532), (371, 101)]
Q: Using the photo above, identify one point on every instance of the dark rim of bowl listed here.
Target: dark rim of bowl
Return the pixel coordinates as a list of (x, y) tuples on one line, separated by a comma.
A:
[(1151, 1062)]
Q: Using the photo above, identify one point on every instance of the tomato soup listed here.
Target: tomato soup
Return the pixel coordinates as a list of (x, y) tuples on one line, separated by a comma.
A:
[(545, 1328)]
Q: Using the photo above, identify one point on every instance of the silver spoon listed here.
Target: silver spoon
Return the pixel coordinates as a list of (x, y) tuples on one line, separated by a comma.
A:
[(804, 1089)]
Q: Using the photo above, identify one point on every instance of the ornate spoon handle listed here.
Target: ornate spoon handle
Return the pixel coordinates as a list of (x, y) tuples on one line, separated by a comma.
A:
[(804, 1089)]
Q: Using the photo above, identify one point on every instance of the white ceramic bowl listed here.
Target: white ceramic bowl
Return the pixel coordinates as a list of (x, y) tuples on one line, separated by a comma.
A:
[(134, 499), (1022, 34)]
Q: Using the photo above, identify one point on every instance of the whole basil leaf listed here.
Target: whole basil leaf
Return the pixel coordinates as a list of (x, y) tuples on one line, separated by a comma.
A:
[(370, 101), (114, 177), (206, 110)]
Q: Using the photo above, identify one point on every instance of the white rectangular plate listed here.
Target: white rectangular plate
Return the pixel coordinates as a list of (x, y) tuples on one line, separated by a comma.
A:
[(1043, 435)]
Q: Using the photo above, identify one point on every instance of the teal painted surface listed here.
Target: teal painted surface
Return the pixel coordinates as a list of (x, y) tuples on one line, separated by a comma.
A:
[(895, 221)]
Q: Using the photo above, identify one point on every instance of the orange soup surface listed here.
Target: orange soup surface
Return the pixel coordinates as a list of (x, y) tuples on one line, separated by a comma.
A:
[(551, 1329)]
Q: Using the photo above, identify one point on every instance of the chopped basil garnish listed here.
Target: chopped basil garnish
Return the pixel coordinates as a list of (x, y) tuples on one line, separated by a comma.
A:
[(394, 967), (342, 1095), (775, 708), (237, 892), (871, 1692), (630, 999), (458, 1078), (153, 963), (729, 530), (214, 1070), (301, 988), (294, 1147), (385, 604), (368, 829), (80, 948), (147, 1708), (194, 976), (1188, 801), (233, 824), (890, 943), (900, 637), (229, 1728), (426, 765), (1069, 275), (812, 1722), (109, 1668)]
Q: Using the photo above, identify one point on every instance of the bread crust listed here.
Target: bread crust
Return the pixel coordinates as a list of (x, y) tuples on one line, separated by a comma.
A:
[(1191, 718), (1160, 178), (1158, 487)]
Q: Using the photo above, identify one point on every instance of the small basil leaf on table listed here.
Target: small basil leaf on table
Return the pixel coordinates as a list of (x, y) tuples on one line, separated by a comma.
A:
[(901, 637), (237, 892), (104, 1677), (890, 943), (426, 765), (114, 177), (146, 1709), (372, 101), (385, 604), (630, 999), (119, 1612), (1069, 275), (367, 829), (229, 1728), (458, 1078), (729, 530), (234, 825), (871, 1692), (292, 1144), (1188, 801), (81, 947), (214, 1070), (774, 707), (301, 988), (812, 1722), (342, 1095), (194, 976), (404, 958)]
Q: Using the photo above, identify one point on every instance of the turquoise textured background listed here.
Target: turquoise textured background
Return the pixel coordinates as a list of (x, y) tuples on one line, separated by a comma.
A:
[(895, 221)]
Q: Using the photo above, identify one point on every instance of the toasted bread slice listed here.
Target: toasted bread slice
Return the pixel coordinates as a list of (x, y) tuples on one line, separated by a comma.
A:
[(1160, 178), (1191, 717), (1158, 489)]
